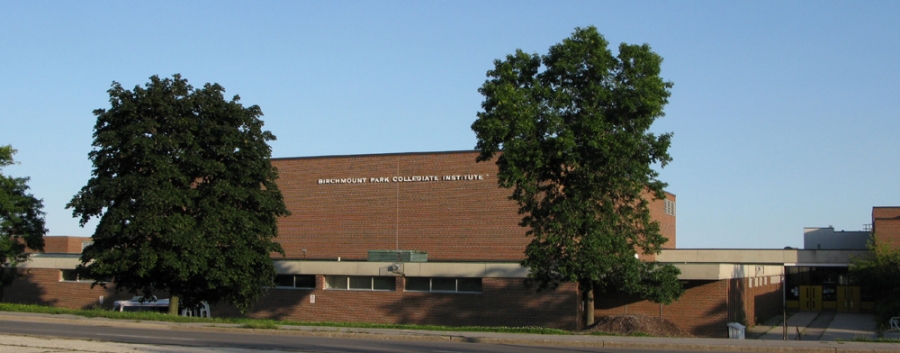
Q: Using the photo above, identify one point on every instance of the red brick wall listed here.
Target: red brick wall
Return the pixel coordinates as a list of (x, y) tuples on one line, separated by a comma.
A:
[(503, 302), (886, 225), (463, 220), (470, 220), (706, 306), (451, 220), (764, 299), (63, 244), (43, 286), (666, 221), (702, 310)]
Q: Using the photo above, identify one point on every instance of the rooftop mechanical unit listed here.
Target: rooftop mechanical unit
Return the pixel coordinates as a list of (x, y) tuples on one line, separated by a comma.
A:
[(398, 256)]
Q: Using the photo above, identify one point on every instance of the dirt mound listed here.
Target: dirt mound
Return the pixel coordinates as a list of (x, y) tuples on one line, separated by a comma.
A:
[(637, 324)]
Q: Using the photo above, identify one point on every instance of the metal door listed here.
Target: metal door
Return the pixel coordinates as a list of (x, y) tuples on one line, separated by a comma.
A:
[(848, 299), (811, 298)]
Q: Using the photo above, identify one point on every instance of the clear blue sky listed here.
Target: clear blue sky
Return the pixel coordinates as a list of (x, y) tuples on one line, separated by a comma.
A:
[(786, 114)]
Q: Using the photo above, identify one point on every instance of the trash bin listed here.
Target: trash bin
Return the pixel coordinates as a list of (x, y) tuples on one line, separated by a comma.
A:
[(735, 330)]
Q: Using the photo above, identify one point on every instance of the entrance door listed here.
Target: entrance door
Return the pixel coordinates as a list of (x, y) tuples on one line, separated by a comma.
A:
[(811, 298), (848, 299)]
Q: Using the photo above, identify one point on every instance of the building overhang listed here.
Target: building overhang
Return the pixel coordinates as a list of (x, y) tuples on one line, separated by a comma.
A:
[(695, 264), (782, 257), (715, 272), (409, 269), (52, 260)]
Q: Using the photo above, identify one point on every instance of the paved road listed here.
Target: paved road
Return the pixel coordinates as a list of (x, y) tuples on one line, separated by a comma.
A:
[(43, 336), (163, 337)]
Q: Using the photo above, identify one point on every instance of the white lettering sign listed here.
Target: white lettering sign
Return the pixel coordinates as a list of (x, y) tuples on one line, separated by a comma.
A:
[(402, 179)]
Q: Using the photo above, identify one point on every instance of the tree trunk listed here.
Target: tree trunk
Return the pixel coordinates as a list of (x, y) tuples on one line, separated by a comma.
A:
[(173, 305), (587, 298)]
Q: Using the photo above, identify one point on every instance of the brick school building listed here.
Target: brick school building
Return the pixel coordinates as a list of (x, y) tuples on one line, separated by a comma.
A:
[(430, 238)]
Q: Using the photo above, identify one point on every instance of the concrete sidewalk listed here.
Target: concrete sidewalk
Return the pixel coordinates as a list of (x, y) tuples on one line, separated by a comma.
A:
[(14, 343), (821, 326)]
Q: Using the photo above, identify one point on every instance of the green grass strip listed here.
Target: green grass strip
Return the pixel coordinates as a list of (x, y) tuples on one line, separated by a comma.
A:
[(264, 323)]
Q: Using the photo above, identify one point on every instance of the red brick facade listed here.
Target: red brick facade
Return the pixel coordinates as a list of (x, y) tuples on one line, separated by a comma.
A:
[(64, 245), (702, 311), (707, 306), (44, 286), (502, 302), (886, 225), (444, 203), (468, 218)]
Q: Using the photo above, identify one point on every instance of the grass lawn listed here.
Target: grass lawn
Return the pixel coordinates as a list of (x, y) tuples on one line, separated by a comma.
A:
[(261, 323)]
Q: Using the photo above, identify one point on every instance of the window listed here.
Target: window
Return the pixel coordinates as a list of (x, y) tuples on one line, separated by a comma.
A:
[(68, 276), (360, 283), (443, 284), (670, 207), (295, 281), (336, 282), (468, 285), (72, 276)]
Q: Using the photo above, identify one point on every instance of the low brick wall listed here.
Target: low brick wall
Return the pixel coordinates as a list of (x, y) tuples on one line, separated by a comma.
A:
[(502, 302), (42, 286), (706, 306)]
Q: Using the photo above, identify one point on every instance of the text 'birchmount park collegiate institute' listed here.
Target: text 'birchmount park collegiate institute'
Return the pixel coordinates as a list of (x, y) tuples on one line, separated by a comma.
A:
[(403, 179)]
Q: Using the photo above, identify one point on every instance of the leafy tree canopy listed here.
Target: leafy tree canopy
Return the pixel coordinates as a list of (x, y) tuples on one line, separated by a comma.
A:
[(21, 219), (571, 129), (879, 274), (185, 192)]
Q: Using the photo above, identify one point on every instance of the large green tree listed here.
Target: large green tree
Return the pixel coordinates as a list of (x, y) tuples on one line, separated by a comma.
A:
[(21, 220), (571, 129), (879, 275), (185, 191)]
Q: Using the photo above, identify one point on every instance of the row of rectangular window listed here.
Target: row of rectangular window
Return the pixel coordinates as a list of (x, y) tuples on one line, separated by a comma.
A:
[(360, 283), (413, 284), (443, 284), (374, 283), (296, 281)]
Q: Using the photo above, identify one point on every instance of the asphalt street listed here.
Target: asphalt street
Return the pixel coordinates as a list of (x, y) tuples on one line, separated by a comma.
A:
[(22, 332)]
